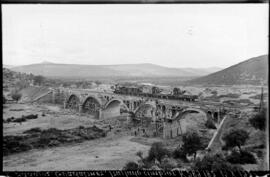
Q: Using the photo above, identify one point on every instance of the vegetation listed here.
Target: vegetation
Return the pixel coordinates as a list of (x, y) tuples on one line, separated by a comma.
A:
[(21, 119), (259, 120), (98, 82), (36, 138), (15, 95), (140, 154), (214, 92), (157, 151), (38, 80), (160, 158), (230, 95), (236, 137), (243, 157), (168, 163), (131, 166), (21, 84), (192, 143), (179, 153), (214, 163), (210, 124)]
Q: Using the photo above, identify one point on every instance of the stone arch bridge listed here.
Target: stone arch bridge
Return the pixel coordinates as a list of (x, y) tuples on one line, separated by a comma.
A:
[(103, 105)]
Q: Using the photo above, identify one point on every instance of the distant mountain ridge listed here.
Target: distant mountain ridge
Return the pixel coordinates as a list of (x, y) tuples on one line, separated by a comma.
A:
[(8, 66), (253, 71), (49, 69)]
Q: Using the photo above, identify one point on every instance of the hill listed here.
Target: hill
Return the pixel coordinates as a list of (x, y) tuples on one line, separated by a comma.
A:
[(253, 71), (8, 66), (94, 71)]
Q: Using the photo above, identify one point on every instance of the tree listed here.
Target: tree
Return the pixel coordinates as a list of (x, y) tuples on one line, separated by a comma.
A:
[(214, 163), (140, 154), (39, 80), (192, 143), (98, 83), (179, 153), (243, 157), (259, 120), (21, 84), (234, 138), (15, 95), (157, 151), (131, 166)]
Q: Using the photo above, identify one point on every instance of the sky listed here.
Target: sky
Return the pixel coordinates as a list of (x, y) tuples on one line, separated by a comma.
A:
[(172, 35)]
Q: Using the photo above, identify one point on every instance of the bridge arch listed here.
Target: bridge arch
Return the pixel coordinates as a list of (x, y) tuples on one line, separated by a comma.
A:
[(121, 102), (91, 105), (73, 102), (191, 110), (181, 124), (114, 108), (92, 97), (149, 106)]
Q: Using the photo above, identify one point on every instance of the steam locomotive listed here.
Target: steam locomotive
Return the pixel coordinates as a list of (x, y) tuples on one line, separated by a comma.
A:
[(154, 92)]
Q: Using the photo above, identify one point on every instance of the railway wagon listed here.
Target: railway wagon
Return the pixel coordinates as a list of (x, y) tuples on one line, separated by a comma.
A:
[(154, 92)]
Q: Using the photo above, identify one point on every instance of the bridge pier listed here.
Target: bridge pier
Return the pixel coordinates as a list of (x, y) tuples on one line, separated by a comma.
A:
[(80, 108), (100, 114)]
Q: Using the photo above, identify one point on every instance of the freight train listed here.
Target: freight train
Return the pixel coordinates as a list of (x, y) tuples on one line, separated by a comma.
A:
[(154, 92)]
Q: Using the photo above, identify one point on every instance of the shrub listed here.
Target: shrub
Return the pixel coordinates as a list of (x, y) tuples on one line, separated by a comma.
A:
[(242, 157), (259, 120), (236, 137), (168, 163), (21, 84), (131, 166), (140, 154), (179, 153), (214, 163), (157, 151), (15, 95), (38, 80), (19, 120), (210, 124), (214, 92), (192, 143), (15, 144), (33, 130), (31, 116), (231, 95)]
